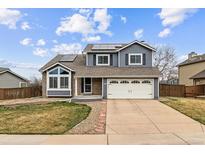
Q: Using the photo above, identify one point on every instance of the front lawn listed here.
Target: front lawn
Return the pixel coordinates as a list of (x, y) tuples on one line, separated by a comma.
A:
[(194, 108), (51, 118)]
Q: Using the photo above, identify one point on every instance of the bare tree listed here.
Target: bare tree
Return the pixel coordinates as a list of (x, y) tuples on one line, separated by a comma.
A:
[(36, 82), (165, 61)]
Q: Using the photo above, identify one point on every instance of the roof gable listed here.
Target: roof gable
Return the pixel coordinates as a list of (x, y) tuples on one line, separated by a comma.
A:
[(4, 69), (13, 73), (114, 47), (139, 43)]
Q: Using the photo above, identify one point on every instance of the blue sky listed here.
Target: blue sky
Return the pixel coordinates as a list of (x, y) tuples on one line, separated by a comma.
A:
[(31, 37)]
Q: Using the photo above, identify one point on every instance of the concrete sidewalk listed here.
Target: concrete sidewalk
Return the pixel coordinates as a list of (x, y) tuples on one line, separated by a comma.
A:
[(140, 139)]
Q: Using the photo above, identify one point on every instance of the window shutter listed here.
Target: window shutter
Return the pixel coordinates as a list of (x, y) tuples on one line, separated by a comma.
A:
[(111, 59), (144, 59), (94, 60), (126, 59)]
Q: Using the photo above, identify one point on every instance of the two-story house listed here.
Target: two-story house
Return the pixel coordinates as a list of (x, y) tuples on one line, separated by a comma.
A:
[(113, 71)]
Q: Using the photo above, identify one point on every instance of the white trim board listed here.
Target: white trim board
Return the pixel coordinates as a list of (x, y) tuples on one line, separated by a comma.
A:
[(58, 63), (98, 55), (135, 54), (144, 45)]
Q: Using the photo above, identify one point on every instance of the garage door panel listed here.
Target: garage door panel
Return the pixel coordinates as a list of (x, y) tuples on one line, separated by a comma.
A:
[(136, 88)]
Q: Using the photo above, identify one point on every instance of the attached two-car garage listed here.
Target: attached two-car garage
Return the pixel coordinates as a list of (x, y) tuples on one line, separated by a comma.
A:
[(130, 88)]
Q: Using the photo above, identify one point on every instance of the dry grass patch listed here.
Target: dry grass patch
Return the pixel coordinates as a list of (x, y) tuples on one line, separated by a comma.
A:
[(51, 118), (194, 108)]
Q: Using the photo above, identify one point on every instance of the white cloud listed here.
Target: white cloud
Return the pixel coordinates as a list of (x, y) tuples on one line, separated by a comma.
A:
[(9, 17), (25, 26), (139, 33), (86, 12), (166, 32), (91, 38), (103, 18), (74, 24), (26, 41), (67, 48), (41, 42), (40, 52), (175, 16), (86, 22), (123, 19)]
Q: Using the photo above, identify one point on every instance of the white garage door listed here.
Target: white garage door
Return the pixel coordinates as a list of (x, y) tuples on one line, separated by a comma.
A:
[(130, 88)]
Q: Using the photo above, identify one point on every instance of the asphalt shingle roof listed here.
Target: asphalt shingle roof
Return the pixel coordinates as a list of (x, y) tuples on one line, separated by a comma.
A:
[(4, 69), (195, 59), (200, 75)]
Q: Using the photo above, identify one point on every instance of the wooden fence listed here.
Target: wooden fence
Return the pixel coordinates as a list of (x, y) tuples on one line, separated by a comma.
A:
[(27, 92), (193, 91), (172, 90), (181, 90)]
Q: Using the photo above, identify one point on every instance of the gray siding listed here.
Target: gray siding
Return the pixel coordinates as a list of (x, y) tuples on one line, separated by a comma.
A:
[(135, 48), (44, 84), (66, 93), (8, 80), (90, 58), (156, 88), (115, 59), (105, 88)]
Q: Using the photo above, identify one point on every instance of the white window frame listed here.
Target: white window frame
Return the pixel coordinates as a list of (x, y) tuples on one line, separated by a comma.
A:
[(98, 55), (21, 83), (58, 79), (135, 54)]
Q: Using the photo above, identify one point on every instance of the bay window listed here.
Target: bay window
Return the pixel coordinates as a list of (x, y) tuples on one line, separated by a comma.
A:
[(59, 79)]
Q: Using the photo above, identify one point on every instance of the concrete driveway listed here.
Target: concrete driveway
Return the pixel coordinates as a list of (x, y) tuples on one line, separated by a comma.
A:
[(150, 122)]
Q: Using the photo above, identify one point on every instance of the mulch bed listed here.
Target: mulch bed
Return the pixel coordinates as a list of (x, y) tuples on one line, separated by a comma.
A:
[(95, 123)]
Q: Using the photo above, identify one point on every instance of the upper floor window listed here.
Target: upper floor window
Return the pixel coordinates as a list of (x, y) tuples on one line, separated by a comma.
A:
[(103, 59), (135, 59)]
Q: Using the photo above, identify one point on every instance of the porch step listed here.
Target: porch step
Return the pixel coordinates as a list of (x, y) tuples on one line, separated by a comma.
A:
[(86, 98)]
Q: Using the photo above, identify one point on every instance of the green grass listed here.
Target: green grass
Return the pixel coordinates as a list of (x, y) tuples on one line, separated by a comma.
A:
[(194, 108), (51, 118)]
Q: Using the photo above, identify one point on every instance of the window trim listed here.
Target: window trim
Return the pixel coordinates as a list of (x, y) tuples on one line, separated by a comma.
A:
[(135, 54), (21, 83), (58, 79), (98, 55)]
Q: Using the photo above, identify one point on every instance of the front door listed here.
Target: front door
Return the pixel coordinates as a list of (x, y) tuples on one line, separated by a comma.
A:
[(87, 85)]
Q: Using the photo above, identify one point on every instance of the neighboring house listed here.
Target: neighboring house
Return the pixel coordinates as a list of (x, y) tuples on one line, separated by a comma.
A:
[(113, 71), (192, 70), (9, 79)]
